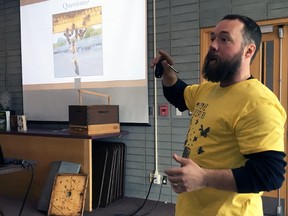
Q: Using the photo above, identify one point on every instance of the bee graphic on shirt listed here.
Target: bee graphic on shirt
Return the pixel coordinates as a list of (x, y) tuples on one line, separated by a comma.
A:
[(204, 132), (200, 150)]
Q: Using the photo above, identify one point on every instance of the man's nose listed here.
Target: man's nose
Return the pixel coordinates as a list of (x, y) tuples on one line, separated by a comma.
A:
[(214, 45)]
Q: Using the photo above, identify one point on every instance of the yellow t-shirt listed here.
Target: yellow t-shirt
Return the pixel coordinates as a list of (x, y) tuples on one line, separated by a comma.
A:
[(227, 123)]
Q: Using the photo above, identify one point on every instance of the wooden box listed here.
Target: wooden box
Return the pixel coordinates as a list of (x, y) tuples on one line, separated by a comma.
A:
[(94, 119)]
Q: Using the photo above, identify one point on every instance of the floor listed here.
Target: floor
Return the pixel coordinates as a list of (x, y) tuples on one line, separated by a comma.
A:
[(123, 207)]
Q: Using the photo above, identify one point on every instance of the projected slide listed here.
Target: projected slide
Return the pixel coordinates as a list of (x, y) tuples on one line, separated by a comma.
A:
[(98, 45), (77, 45)]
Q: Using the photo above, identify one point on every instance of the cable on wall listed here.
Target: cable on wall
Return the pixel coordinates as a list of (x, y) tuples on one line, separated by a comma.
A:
[(156, 172)]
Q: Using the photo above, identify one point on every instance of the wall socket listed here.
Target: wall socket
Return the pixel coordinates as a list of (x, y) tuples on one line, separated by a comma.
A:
[(164, 180), (156, 178), (178, 112)]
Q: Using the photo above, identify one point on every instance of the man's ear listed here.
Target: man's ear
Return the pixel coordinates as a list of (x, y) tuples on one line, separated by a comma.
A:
[(250, 50)]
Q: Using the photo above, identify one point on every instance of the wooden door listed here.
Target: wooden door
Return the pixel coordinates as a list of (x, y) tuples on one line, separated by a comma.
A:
[(268, 68)]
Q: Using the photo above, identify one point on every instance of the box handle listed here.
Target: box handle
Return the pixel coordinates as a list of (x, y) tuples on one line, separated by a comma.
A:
[(93, 93)]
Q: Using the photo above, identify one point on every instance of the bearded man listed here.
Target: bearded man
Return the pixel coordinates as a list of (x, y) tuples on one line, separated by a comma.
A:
[(234, 149)]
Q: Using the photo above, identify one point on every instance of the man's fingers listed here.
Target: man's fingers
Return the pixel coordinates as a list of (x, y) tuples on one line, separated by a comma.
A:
[(162, 55), (177, 188), (155, 61), (181, 160), (174, 174), (166, 57)]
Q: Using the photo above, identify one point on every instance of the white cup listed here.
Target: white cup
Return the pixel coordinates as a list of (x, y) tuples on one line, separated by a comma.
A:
[(22, 123)]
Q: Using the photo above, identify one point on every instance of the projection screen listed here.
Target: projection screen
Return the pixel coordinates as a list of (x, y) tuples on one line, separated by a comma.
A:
[(100, 46)]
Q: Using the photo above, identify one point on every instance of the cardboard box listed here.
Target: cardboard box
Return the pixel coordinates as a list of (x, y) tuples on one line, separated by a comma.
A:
[(94, 119)]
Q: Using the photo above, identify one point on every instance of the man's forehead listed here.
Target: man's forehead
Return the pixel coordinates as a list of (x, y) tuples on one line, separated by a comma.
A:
[(228, 27)]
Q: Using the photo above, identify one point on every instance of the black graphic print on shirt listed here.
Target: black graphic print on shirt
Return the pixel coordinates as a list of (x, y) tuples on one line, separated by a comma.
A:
[(197, 130)]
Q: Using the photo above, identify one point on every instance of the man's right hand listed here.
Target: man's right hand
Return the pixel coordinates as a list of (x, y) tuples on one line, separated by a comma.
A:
[(169, 77)]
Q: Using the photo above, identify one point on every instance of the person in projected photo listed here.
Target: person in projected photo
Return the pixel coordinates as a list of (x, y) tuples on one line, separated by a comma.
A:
[(72, 36), (234, 149)]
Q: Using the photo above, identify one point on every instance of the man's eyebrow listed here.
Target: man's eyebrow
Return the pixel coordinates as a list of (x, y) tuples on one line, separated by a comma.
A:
[(221, 33)]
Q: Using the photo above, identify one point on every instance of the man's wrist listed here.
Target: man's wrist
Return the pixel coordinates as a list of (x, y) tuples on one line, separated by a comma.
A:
[(169, 79), (219, 179)]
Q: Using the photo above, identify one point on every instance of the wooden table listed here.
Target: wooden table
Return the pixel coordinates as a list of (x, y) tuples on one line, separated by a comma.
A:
[(44, 147)]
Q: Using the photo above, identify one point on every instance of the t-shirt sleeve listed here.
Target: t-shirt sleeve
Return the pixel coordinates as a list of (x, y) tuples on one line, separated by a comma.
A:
[(175, 94), (261, 129), (263, 171)]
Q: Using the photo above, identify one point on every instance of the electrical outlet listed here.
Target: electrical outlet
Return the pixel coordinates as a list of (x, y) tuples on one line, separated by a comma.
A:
[(178, 112), (156, 178), (164, 180)]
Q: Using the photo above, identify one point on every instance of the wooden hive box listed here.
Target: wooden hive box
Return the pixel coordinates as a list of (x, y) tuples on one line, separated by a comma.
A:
[(94, 119)]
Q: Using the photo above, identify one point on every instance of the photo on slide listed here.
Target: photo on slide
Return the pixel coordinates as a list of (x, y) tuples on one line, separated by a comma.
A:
[(77, 43)]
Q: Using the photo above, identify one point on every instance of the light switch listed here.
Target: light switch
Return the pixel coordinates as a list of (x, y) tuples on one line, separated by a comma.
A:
[(163, 110)]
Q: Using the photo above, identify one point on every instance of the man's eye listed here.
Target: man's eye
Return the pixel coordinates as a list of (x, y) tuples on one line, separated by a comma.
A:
[(224, 39)]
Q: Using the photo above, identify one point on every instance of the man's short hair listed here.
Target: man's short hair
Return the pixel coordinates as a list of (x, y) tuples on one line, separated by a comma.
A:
[(251, 30)]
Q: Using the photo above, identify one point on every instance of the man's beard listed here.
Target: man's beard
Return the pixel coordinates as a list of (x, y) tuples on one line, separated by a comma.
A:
[(220, 70)]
